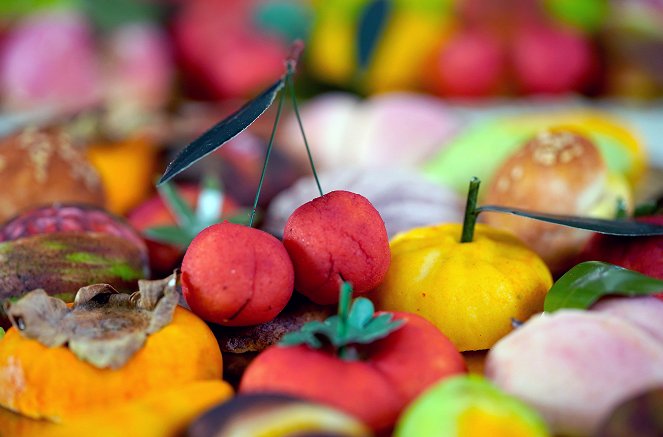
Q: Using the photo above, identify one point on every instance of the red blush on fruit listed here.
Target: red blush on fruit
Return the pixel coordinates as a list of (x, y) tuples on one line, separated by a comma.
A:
[(336, 237), (235, 275)]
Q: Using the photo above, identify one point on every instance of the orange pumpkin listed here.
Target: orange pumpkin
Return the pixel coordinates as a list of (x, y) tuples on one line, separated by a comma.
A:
[(53, 383)]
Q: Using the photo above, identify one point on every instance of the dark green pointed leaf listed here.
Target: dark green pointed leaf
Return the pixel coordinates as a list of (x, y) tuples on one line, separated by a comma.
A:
[(372, 23), (169, 235), (361, 312), (587, 282), (627, 228), (176, 204), (222, 132)]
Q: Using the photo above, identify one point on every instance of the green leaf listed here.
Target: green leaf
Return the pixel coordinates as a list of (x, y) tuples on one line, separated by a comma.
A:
[(587, 282), (176, 204), (361, 327), (361, 312), (2, 333), (372, 23), (300, 337), (627, 228), (222, 132), (170, 235)]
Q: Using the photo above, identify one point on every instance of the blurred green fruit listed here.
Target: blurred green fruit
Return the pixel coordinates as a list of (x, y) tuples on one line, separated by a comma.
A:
[(469, 406)]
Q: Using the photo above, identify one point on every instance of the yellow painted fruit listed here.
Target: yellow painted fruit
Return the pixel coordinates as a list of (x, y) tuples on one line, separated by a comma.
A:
[(126, 169), (470, 291), (53, 383)]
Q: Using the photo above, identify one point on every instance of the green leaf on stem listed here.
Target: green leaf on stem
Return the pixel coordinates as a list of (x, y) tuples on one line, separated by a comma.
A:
[(587, 282), (359, 326), (190, 222), (2, 333), (223, 131), (169, 235), (184, 215), (627, 228)]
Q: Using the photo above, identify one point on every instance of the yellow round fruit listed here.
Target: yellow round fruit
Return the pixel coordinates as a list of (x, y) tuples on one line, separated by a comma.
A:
[(470, 291)]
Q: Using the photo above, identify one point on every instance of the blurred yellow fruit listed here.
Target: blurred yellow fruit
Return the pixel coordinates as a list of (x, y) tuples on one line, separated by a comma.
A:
[(127, 171), (470, 291), (407, 40)]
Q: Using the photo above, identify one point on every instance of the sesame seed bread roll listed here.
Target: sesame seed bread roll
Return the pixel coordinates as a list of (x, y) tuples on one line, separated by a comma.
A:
[(557, 171)]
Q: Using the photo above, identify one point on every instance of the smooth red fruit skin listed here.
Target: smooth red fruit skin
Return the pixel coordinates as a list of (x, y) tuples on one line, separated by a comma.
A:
[(235, 275), (153, 213), (337, 237), (642, 254), (392, 373)]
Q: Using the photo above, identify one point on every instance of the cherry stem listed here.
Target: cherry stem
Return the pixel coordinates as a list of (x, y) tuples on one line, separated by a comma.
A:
[(291, 83), (471, 212), (344, 301), (267, 155), (296, 50)]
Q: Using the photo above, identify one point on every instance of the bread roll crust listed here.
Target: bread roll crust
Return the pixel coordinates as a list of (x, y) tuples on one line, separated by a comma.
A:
[(39, 167), (557, 171)]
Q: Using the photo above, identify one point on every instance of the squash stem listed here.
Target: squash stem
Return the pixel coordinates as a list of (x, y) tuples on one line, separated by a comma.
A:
[(471, 212)]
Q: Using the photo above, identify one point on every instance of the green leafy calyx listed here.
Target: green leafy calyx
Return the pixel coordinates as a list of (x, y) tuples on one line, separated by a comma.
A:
[(359, 325)]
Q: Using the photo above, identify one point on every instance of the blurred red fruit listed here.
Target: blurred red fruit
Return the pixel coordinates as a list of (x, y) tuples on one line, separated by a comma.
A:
[(49, 61), (153, 213), (550, 61), (223, 52), (471, 64)]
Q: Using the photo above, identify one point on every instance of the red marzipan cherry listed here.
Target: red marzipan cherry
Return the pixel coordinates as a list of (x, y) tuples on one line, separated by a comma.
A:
[(235, 275), (337, 237)]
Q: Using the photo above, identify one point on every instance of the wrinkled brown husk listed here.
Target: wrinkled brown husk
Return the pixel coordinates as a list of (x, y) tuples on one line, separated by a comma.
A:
[(103, 327)]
